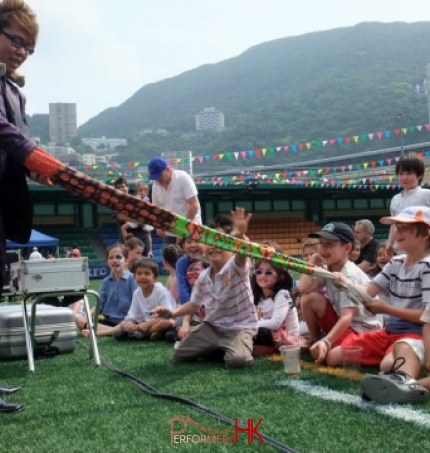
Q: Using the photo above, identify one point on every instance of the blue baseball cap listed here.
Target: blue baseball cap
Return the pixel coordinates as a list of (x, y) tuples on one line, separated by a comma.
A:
[(156, 167)]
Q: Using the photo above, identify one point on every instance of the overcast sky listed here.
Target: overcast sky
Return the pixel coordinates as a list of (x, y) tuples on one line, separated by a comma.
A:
[(98, 53)]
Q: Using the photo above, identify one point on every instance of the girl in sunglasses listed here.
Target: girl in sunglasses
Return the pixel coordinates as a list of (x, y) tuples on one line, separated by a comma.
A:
[(277, 315)]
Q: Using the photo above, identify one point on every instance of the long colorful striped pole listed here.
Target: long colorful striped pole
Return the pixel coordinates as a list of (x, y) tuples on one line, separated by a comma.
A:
[(101, 193)]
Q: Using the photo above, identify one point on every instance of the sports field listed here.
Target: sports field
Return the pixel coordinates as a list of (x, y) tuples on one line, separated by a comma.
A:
[(73, 406)]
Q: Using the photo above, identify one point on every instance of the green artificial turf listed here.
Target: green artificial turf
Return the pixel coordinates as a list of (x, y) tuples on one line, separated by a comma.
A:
[(73, 406)]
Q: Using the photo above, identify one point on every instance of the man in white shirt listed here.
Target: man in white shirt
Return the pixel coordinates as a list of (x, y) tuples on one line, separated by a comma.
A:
[(35, 254), (174, 190)]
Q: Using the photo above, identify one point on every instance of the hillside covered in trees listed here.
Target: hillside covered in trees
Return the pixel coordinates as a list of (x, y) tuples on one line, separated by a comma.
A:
[(317, 86)]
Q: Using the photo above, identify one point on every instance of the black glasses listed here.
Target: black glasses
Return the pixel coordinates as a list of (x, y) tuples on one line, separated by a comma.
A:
[(18, 43), (266, 273), (118, 257)]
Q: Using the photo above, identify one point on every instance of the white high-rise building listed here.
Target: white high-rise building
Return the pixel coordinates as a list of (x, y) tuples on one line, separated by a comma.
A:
[(210, 119)]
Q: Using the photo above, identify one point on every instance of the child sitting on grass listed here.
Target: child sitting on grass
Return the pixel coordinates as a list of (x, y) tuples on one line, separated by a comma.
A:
[(276, 312), (406, 279), (171, 254), (381, 261), (140, 323), (116, 293), (309, 248), (192, 249), (224, 289), (134, 249), (335, 318), (184, 323)]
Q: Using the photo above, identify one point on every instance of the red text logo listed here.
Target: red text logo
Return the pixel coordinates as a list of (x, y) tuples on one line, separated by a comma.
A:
[(181, 434)]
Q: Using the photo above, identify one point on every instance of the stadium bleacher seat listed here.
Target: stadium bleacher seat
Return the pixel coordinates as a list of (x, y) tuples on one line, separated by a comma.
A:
[(288, 233)]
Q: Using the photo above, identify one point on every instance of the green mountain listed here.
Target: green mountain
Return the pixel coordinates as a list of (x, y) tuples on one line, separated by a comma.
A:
[(39, 126), (317, 86)]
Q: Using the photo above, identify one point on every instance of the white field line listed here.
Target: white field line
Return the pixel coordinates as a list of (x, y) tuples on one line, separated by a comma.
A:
[(400, 412)]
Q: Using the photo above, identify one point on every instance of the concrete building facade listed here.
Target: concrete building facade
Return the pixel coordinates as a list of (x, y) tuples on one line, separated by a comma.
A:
[(62, 122)]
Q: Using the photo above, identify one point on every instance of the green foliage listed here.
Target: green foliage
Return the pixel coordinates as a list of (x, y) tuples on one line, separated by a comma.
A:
[(317, 86), (39, 126)]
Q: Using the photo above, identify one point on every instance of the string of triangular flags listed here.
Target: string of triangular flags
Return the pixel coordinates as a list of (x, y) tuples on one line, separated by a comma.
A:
[(258, 153), (382, 179), (287, 179), (382, 176)]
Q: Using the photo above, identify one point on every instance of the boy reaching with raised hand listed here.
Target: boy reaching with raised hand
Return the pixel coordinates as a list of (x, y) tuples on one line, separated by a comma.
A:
[(224, 289)]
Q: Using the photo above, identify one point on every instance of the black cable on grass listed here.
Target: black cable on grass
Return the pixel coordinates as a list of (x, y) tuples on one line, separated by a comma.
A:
[(151, 390)]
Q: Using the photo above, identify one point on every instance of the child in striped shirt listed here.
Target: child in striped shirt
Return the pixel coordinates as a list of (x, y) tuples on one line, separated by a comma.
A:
[(224, 289), (398, 348)]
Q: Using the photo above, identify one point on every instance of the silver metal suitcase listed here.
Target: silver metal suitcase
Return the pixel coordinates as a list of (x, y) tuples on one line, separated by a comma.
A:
[(51, 275), (55, 331)]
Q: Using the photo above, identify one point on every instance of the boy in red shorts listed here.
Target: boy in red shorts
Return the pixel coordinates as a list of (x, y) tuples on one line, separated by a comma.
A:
[(335, 315)]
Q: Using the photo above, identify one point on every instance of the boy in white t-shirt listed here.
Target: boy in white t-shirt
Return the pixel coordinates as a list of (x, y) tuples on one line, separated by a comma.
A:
[(140, 322), (336, 315), (410, 170), (224, 289)]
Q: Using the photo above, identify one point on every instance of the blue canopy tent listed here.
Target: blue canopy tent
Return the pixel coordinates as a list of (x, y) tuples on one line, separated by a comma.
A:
[(37, 239)]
